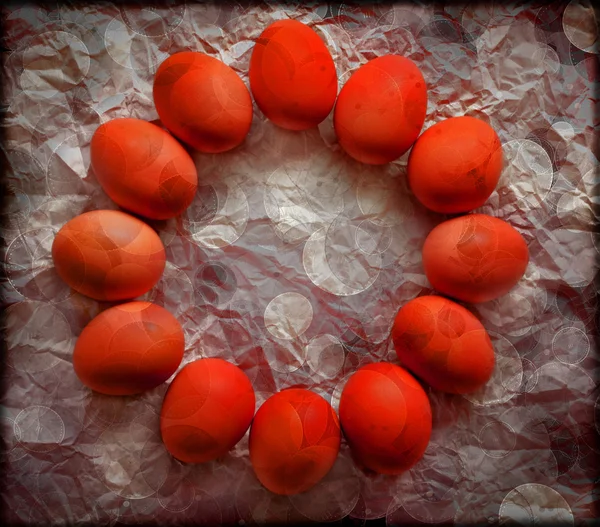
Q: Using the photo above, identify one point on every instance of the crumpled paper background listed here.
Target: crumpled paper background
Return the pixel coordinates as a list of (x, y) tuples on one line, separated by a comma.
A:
[(293, 260)]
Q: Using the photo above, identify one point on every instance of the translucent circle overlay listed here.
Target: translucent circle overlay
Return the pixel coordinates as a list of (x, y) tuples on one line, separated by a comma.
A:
[(30, 269), (325, 355), (320, 273), (288, 316), (126, 47), (39, 429), (176, 495), (352, 266), (534, 503), (217, 216), (580, 25), (571, 345), (564, 129), (497, 439), (530, 376)]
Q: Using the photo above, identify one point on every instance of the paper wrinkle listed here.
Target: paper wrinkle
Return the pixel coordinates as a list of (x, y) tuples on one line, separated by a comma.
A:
[(293, 260)]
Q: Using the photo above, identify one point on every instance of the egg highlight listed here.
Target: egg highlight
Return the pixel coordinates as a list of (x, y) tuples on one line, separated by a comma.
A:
[(443, 344), (474, 258), (294, 441), (206, 411), (455, 165), (202, 101), (128, 349), (143, 168), (381, 109), (292, 75), (386, 417), (108, 255)]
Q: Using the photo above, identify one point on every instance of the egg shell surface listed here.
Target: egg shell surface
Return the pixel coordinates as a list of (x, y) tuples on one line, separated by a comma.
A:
[(108, 255), (386, 418), (292, 75), (143, 168), (202, 101), (474, 258), (381, 109), (206, 411), (294, 441), (128, 349), (443, 344), (455, 165)]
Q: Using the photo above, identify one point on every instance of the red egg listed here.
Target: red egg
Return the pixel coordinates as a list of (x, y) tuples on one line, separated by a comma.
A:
[(202, 101), (143, 169), (455, 165), (206, 410), (108, 255), (474, 258), (386, 418), (292, 75), (128, 349), (381, 109), (443, 344), (294, 441)]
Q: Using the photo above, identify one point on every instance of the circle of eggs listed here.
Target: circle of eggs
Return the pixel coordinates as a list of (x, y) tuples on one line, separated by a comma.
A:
[(295, 436), (474, 258), (202, 101), (128, 349), (108, 255), (443, 344), (455, 165), (381, 109), (386, 418), (207, 409), (292, 75), (294, 441), (143, 168)]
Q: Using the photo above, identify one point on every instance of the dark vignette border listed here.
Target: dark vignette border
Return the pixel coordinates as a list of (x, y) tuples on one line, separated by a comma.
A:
[(441, 9)]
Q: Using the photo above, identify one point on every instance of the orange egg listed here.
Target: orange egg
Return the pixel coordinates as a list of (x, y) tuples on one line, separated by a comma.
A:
[(455, 165), (206, 410), (381, 109), (294, 441), (474, 258), (128, 349), (386, 418), (292, 75), (108, 255), (202, 101), (443, 344), (143, 169)]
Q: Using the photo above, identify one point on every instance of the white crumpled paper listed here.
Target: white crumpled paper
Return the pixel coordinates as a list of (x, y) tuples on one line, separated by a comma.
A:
[(293, 260)]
